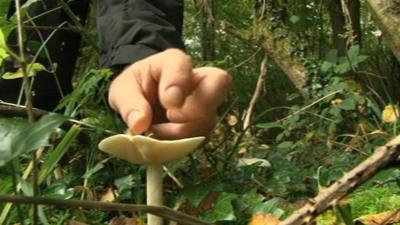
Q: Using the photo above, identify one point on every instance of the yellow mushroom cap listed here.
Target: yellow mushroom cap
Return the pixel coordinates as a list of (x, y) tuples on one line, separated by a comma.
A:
[(140, 149)]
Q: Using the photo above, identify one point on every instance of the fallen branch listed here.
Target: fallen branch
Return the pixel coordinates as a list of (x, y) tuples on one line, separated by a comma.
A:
[(330, 196), (161, 211)]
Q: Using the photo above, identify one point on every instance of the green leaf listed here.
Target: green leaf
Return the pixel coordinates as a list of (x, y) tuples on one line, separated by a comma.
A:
[(294, 19), (268, 207), (35, 135), (26, 187), (326, 66), (332, 56), (9, 128), (344, 213), (196, 194), (93, 170), (3, 47), (5, 184), (59, 190), (56, 155), (267, 126), (285, 144), (32, 70), (124, 186), (222, 209), (348, 104)]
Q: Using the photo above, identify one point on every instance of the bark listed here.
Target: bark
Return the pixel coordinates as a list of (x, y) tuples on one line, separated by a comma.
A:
[(338, 23), (279, 50), (361, 173), (207, 14), (387, 16), (354, 7), (338, 26)]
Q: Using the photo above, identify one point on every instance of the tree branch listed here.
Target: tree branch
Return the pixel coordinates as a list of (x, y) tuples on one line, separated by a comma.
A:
[(162, 211), (257, 93), (361, 173)]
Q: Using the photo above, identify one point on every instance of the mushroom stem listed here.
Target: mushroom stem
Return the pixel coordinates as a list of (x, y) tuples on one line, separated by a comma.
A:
[(154, 191)]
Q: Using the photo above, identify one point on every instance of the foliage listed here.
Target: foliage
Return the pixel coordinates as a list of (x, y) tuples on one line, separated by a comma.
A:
[(349, 106)]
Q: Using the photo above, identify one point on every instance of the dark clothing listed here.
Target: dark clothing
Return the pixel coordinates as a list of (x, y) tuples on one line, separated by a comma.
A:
[(134, 29), (129, 30)]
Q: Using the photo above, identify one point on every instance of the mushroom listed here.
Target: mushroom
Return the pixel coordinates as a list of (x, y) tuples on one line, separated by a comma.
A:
[(154, 153)]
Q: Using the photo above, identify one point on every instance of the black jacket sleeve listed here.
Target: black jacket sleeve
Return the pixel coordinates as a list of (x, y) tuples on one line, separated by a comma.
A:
[(130, 30)]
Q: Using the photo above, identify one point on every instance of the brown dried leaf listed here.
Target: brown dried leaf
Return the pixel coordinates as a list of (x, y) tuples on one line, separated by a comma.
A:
[(261, 219), (122, 220), (108, 195), (378, 219)]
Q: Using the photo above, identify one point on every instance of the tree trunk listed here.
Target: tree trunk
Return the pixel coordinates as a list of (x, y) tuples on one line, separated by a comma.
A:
[(387, 16), (354, 10), (338, 23), (207, 14)]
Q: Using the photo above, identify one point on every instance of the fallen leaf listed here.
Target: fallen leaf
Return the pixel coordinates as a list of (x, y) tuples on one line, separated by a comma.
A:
[(390, 114), (260, 219), (108, 195), (381, 218), (122, 220), (74, 222)]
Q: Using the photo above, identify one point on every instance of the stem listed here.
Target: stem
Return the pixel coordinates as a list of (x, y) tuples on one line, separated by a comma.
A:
[(15, 187), (28, 97), (154, 189), (23, 62)]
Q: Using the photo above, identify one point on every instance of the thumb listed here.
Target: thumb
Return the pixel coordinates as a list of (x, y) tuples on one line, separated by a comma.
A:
[(127, 98), (173, 71)]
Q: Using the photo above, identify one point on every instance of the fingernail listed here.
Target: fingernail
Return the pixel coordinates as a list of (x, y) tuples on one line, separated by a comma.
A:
[(135, 123), (174, 96)]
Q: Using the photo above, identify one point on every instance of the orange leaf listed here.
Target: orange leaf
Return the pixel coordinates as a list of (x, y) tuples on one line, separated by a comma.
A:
[(260, 219), (385, 217)]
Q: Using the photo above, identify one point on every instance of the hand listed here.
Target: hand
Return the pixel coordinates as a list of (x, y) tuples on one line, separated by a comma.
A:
[(164, 94)]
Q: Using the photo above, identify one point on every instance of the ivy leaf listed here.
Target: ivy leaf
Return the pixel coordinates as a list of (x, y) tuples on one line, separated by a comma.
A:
[(222, 209), (269, 207), (196, 194)]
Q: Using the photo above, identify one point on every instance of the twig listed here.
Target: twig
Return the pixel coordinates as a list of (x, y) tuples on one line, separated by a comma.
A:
[(325, 199), (162, 211), (257, 93), (9, 109)]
